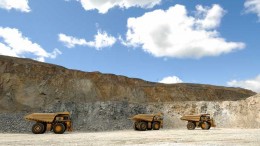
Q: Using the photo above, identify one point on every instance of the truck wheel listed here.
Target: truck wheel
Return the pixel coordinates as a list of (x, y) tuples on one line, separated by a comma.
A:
[(136, 125), (44, 128), (156, 126), (190, 126), (209, 126), (58, 128), (38, 128), (205, 126), (143, 126)]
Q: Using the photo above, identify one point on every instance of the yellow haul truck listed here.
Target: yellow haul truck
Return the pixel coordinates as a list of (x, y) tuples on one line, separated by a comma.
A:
[(58, 122), (202, 120), (144, 122)]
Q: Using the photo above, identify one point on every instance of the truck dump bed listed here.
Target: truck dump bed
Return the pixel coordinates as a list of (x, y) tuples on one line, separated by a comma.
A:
[(143, 117), (192, 117), (44, 117)]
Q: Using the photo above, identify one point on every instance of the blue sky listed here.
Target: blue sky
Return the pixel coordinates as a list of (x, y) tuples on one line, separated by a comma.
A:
[(208, 42)]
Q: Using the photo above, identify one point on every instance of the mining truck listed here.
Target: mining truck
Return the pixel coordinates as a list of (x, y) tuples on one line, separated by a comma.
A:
[(144, 122), (56, 122), (202, 120)]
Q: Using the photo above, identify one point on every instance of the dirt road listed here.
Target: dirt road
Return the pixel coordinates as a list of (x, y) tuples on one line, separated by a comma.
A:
[(177, 137)]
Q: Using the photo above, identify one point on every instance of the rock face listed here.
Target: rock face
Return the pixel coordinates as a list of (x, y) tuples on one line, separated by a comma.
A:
[(228, 114), (104, 101)]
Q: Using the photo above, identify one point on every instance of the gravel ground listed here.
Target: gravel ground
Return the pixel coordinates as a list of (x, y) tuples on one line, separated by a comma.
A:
[(177, 137)]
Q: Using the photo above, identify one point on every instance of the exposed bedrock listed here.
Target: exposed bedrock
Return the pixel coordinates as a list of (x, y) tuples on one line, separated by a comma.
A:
[(105, 101)]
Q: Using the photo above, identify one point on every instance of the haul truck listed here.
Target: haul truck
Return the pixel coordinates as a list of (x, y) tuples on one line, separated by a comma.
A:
[(202, 120), (144, 122), (58, 122)]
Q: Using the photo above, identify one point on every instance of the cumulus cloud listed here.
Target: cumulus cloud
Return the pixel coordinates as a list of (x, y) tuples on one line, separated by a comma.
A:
[(253, 6), (13, 43), (174, 33), (101, 40), (171, 80), (104, 5), (251, 84), (21, 5)]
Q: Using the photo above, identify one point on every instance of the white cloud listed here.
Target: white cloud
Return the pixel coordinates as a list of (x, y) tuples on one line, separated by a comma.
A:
[(173, 33), (104, 5), (171, 80), (21, 5), (253, 6), (251, 84), (102, 40), (13, 43), (210, 17), (70, 41)]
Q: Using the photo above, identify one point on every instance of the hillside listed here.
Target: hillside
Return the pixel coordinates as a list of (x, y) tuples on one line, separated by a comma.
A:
[(92, 97)]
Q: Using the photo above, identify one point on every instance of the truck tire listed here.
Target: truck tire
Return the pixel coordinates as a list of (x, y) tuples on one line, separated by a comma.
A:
[(44, 128), (143, 126), (205, 126), (38, 128), (59, 128), (156, 126), (136, 125), (191, 126), (209, 126)]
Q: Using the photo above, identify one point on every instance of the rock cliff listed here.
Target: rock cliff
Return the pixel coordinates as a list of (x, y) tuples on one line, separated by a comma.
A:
[(102, 101)]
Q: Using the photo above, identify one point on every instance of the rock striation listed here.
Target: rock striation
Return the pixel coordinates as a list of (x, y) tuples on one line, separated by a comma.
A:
[(104, 101)]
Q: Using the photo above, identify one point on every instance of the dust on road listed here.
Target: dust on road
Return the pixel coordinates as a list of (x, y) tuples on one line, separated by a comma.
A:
[(130, 137)]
